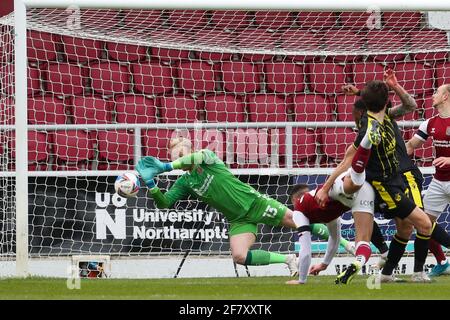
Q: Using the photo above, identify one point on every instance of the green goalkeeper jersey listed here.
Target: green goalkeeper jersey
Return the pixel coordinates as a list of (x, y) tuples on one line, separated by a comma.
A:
[(211, 182)]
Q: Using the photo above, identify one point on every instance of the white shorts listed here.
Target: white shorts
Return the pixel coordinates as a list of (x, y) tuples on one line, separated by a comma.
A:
[(437, 197), (361, 201)]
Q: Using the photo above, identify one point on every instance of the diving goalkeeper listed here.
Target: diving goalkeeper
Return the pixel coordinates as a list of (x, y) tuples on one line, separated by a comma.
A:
[(209, 180)]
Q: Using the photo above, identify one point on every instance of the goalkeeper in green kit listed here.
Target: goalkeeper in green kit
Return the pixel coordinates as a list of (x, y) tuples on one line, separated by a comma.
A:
[(208, 179)]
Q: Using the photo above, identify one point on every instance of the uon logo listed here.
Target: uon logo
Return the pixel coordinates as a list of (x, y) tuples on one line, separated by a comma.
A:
[(116, 226)]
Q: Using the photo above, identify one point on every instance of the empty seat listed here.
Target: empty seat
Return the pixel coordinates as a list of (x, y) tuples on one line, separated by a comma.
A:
[(91, 110), (38, 150), (155, 143), (266, 108), (221, 38), (135, 109), (73, 150), (196, 77), (344, 107), (81, 49), (178, 109), (115, 150), (251, 148), (317, 20), (230, 20), (427, 106), (402, 20), (303, 147), (65, 79), (7, 111), (326, 77), (34, 81), (109, 78), (7, 81), (274, 20), (211, 139), (258, 39), (339, 41), (301, 40), (101, 19), (7, 47), (172, 37), (428, 40), (126, 52), (42, 46), (356, 20), (142, 19), (367, 71), (442, 73), (312, 107), (187, 19), (416, 78), (224, 108), (240, 77), (284, 77), (152, 77), (46, 110), (376, 41), (335, 142)]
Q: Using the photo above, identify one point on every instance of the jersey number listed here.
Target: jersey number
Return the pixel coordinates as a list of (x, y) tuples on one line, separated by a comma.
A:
[(270, 212)]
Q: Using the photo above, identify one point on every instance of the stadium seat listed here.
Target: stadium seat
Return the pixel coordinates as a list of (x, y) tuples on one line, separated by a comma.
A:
[(115, 150), (191, 20), (416, 78), (221, 39), (312, 108), (317, 20), (211, 139), (251, 148), (334, 143), (155, 143), (274, 20), (65, 79), (46, 110), (266, 108), (126, 52), (224, 108), (442, 73), (135, 109), (38, 150), (6, 8), (343, 40), (42, 46), (241, 77), (179, 109), (91, 110), (303, 147), (344, 107), (82, 50), (152, 78), (256, 39), (108, 78), (142, 19), (6, 49), (326, 77), (103, 19), (196, 77), (34, 80), (292, 40), (366, 71), (428, 40), (427, 106), (230, 20), (402, 20), (376, 41), (73, 150), (354, 20), (7, 111), (7, 82), (171, 36), (284, 77)]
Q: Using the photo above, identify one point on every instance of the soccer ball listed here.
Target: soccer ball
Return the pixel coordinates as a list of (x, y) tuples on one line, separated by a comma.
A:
[(127, 185)]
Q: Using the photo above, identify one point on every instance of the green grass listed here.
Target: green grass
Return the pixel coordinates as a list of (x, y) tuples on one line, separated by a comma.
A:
[(263, 288)]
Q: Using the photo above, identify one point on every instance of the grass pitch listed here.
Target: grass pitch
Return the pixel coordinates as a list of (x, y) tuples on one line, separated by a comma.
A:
[(261, 288)]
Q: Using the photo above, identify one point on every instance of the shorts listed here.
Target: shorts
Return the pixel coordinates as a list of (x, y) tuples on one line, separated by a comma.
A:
[(263, 210), (437, 197), (394, 197), (414, 180)]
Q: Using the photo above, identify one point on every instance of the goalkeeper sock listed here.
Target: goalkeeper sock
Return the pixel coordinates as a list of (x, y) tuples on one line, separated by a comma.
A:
[(420, 251), (378, 240), (320, 230), (396, 250), (262, 258)]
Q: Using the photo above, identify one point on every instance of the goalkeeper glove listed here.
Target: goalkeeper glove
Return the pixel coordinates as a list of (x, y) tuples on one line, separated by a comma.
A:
[(149, 167)]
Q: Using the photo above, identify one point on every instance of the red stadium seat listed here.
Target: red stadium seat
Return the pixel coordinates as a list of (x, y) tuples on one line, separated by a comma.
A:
[(376, 41), (38, 150), (224, 108), (211, 139), (312, 108), (427, 106), (274, 20), (101, 19), (179, 109), (115, 150), (196, 77), (230, 20), (366, 71), (152, 78), (221, 38), (108, 78), (402, 20), (73, 150), (6, 8), (293, 40), (250, 146), (343, 40), (34, 81), (259, 39), (284, 77), (442, 73), (46, 110), (142, 19), (7, 47), (155, 143), (428, 40), (317, 20), (355, 20), (326, 77), (303, 147), (416, 78), (166, 54), (82, 50), (126, 52), (345, 107), (91, 110), (7, 111), (42, 46), (187, 19), (335, 142), (65, 79), (266, 108), (241, 77), (135, 109), (7, 83)]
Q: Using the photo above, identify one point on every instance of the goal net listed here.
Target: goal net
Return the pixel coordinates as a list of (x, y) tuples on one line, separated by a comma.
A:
[(260, 88)]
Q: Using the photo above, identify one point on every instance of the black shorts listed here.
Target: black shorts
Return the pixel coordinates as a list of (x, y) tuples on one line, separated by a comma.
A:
[(413, 180), (395, 198)]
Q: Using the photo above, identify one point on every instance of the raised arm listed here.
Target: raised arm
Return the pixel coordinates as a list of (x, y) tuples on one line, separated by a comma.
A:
[(408, 103)]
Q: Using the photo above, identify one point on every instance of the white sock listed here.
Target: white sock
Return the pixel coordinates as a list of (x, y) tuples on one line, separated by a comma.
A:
[(443, 262), (357, 178)]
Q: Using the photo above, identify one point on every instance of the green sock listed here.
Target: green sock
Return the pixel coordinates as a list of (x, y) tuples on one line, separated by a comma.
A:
[(261, 258), (320, 230), (343, 242)]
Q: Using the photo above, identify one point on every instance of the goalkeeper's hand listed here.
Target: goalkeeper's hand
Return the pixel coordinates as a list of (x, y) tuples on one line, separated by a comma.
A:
[(149, 167)]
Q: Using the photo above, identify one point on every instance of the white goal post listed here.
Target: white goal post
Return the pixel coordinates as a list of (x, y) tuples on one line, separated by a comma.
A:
[(21, 127)]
